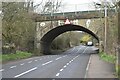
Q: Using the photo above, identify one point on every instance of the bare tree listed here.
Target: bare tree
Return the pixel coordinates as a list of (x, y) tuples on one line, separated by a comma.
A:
[(48, 6), (110, 4)]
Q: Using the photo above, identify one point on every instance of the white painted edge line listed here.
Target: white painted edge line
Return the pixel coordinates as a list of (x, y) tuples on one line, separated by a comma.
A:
[(12, 67), (25, 72), (47, 63), (88, 65), (1, 70), (57, 74), (58, 58)]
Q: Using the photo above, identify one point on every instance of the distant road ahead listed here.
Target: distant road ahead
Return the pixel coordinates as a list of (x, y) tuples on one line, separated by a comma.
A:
[(70, 64)]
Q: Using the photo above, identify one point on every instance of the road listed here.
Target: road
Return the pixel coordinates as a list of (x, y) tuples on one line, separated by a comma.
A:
[(71, 64)]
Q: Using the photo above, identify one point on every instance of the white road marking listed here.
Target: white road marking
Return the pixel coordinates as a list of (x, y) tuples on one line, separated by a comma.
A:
[(78, 50), (36, 60), (65, 66), (87, 68), (88, 64), (47, 63), (57, 74), (1, 70), (75, 57), (70, 61), (85, 50), (65, 56), (25, 72), (12, 67), (72, 50), (58, 58), (61, 69), (22, 64), (29, 61)]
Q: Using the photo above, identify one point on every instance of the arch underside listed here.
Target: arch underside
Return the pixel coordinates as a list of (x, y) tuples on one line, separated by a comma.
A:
[(47, 39)]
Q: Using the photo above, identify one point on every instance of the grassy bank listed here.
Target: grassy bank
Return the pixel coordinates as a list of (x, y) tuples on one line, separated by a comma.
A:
[(107, 57), (17, 56)]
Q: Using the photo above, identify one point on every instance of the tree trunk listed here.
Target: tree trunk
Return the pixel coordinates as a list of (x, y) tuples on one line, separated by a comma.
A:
[(119, 39)]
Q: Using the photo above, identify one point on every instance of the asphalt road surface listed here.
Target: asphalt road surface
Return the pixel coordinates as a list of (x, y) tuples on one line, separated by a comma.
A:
[(71, 64)]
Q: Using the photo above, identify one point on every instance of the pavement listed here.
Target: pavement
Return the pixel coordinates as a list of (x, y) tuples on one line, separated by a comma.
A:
[(99, 68)]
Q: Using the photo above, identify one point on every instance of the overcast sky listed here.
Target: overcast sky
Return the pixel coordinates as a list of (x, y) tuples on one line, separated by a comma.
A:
[(74, 5), (73, 1)]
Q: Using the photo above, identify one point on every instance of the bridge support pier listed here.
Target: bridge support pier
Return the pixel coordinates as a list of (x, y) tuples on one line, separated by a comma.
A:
[(45, 48)]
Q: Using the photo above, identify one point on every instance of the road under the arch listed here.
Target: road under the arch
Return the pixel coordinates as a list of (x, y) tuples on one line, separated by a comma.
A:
[(47, 39)]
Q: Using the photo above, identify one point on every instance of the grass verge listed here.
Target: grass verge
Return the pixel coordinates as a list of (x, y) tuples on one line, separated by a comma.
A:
[(118, 70), (17, 56), (108, 58)]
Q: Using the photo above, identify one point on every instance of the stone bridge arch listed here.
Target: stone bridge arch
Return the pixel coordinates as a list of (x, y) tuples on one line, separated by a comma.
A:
[(47, 39)]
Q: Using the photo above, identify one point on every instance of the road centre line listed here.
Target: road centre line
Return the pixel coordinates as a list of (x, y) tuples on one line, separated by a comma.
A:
[(66, 65), (47, 63), (70, 61), (61, 69), (25, 72)]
